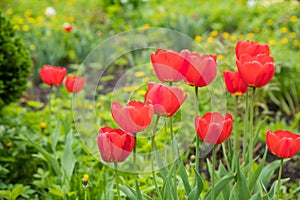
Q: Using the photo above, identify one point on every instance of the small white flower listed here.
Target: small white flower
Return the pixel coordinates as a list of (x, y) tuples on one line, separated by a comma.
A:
[(124, 1), (50, 11), (251, 3)]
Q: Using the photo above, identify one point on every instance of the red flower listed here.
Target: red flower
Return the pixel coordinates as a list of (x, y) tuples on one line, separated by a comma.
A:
[(168, 65), (256, 71), (166, 100), (234, 83), (250, 48), (52, 75), (74, 83), (67, 27), (254, 63), (213, 128), (114, 145), (283, 144), (200, 70), (134, 117)]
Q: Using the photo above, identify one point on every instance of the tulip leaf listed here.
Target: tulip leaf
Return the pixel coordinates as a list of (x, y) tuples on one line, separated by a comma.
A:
[(54, 136), (268, 170), (162, 169), (257, 172), (68, 159), (256, 196), (130, 194), (242, 187), (258, 130), (196, 191), (273, 190), (50, 158), (184, 176), (220, 185)]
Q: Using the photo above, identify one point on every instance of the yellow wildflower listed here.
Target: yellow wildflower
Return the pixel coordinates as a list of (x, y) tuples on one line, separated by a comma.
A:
[(145, 80), (225, 35), (271, 42), (9, 11), (295, 42), (8, 144), (293, 18), (146, 25), (270, 22), (142, 92), (25, 28), (198, 38), (210, 39), (284, 40), (292, 34), (283, 29), (139, 74), (250, 35), (214, 33), (32, 47), (43, 125), (233, 38)]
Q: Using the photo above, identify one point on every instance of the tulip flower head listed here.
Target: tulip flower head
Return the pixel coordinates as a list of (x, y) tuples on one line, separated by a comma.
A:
[(213, 128), (254, 63), (168, 65), (67, 27), (74, 84), (234, 83), (200, 69), (52, 75), (114, 145), (283, 144), (134, 117), (166, 100)]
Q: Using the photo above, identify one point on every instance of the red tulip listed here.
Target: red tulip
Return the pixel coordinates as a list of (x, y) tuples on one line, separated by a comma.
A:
[(74, 83), (166, 100), (52, 75), (256, 71), (213, 128), (250, 48), (67, 27), (200, 70), (114, 145), (134, 117), (234, 83), (283, 144), (168, 65)]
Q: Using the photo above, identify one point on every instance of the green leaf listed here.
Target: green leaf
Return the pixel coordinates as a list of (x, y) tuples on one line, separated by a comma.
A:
[(241, 183), (268, 171), (254, 177), (272, 192), (68, 159), (220, 185), (162, 167), (5, 194), (184, 176), (54, 136), (196, 191), (256, 196), (258, 130), (128, 192), (17, 191), (50, 158)]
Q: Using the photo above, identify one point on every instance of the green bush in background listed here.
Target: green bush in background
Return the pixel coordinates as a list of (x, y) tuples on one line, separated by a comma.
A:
[(15, 64)]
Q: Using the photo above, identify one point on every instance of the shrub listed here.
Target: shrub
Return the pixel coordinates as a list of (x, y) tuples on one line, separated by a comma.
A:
[(15, 64)]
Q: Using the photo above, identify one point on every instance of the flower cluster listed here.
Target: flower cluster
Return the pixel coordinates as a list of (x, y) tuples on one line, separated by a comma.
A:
[(54, 76), (255, 69)]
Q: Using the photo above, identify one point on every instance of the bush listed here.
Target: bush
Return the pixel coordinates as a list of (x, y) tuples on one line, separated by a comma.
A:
[(15, 64)]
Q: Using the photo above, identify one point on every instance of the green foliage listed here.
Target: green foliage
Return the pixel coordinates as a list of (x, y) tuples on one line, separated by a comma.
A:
[(15, 64)]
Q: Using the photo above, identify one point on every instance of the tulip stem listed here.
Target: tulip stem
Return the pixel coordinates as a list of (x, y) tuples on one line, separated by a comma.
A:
[(213, 171), (251, 145), (279, 178), (117, 180), (50, 95), (197, 138), (152, 160), (236, 133), (137, 190), (246, 118)]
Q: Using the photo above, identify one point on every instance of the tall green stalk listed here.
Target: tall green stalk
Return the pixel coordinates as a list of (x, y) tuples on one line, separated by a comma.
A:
[(213, 172), (246, 135), (236, 133), (135, 168), (152, 160), (197, 138), (117, 180), (50, 113), (251, 145), (279, 178)]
